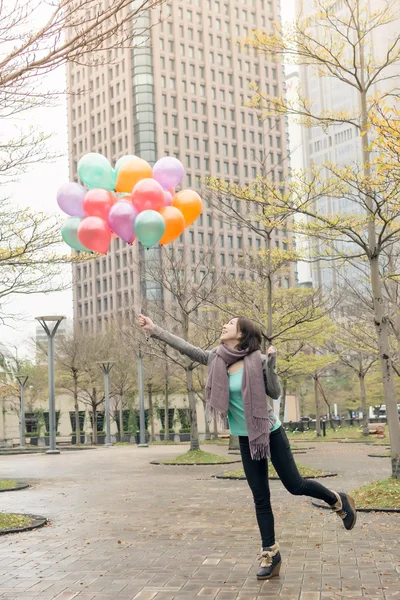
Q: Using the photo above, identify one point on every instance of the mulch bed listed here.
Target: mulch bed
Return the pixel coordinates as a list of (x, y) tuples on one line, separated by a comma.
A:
[(21, 485), (229, 462), (276, 478), (365, 510), (36, 522)]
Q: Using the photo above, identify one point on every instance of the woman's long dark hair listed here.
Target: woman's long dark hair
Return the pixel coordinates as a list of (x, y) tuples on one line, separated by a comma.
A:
[(251, 337)]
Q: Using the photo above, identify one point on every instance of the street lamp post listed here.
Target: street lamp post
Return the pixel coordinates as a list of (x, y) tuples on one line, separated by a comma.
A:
[(22, 379), (106, 366), (50, 324)]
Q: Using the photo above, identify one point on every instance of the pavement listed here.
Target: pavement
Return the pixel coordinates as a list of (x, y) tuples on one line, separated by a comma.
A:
[(122, 529)]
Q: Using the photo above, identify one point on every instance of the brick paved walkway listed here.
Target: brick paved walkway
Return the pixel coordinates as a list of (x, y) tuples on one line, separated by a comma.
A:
[(123, 529)]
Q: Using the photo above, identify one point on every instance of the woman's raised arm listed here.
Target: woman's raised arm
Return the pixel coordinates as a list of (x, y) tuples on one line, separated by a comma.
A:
[(193, 352)]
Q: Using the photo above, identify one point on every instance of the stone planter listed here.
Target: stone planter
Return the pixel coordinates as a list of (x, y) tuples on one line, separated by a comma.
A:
[(137, 437), (81, 439), (41, 442), (184, 437), (170, 437)]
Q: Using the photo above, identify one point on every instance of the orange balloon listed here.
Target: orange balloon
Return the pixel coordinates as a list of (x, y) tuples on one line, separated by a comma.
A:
[(175, 224), (190, 205), (130, 173)]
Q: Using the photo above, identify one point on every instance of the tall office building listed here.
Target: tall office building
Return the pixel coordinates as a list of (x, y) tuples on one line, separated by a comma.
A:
[(340, 144), (180, 93)]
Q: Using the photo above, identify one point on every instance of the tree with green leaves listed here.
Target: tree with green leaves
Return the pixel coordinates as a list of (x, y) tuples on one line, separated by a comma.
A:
[(343, 53)]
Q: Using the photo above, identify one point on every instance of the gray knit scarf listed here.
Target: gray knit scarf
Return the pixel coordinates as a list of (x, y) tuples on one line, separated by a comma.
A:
[(253, 395)]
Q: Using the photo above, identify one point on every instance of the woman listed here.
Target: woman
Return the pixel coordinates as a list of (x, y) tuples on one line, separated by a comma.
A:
[(239, 377)]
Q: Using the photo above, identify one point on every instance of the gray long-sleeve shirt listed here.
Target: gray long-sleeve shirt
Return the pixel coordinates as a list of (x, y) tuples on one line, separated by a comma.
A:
[(205, 357)]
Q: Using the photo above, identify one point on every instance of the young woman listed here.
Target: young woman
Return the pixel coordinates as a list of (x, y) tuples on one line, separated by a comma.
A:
[(239, 378)]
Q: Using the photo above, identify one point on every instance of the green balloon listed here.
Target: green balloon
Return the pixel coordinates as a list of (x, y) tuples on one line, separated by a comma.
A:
[(149, 227), (95, 170), (69, 233)]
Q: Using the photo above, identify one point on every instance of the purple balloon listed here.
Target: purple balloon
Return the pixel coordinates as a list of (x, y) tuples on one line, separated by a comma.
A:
[(70, 199), (121, 219), (167, 198), (168, 171)]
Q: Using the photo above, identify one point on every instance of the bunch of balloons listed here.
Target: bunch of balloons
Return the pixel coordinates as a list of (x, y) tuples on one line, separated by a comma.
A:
[(130, 201)]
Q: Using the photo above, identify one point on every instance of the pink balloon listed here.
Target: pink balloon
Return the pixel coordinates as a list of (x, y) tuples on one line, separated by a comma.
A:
[(148, 195), (95, 234), (171, 190), (97, 203), (167, 198), (121, 219)]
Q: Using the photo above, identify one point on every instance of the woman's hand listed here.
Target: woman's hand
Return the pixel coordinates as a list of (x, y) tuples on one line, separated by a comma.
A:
[(272, 351), (145, 323)]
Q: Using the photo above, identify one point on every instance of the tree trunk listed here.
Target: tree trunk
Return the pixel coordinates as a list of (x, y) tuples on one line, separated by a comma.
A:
[(207, 434), (317, 407), (282, 403), (166, 403), (363, 396), (151, 411), (76, 407), (94, 416), (194, 432), (233, 442), (381, 319), (389, 390), (215, 425), (327, 404), (121, 420)]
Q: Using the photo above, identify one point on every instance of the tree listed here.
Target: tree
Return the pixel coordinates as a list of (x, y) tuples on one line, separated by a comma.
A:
[(344, 54), (36, 38), (191, 289), (91, 384), (30, 255), (354, 343), (70, 359)]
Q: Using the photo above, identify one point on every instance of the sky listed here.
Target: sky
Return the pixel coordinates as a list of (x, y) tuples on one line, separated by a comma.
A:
[(40, 184)]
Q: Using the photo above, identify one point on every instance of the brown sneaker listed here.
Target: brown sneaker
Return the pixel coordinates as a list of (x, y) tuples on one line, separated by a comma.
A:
[(345, 507), (270, 562)]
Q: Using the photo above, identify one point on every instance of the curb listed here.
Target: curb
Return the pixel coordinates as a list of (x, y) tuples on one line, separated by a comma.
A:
[(37, 521), (230, 462), (276, 478), (364, 510), (22, 485), (379, 456)]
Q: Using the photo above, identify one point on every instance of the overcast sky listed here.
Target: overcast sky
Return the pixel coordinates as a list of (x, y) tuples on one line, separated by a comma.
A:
[(40, 185)]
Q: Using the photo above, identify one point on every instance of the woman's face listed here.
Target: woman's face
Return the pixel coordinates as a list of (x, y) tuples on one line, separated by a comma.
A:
[(230, 331)]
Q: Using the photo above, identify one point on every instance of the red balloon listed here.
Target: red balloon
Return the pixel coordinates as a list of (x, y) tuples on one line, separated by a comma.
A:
[(148, 195), (97, 203), (95, 234)]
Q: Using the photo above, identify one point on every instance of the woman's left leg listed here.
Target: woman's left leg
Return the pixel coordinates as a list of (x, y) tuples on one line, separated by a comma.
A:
[(285, 466)]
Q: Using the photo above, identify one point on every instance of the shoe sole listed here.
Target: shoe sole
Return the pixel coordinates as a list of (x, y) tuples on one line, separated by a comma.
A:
[(275, 573), (353, 506)]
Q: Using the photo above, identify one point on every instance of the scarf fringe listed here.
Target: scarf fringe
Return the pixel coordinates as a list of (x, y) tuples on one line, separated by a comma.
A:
[(259, 448)]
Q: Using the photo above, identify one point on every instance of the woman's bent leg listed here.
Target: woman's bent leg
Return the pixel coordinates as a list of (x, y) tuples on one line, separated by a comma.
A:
[(285, 466), (256, 472)]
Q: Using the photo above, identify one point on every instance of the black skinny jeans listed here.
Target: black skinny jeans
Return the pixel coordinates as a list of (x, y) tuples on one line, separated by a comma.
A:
[(257, 477)]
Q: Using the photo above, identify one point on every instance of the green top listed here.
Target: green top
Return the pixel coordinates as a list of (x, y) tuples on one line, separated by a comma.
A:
[(236, 416)]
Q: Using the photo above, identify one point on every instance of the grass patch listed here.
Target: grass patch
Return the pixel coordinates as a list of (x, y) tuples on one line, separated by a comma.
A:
[(379, 494), (341, 433), (303, 470), (163, 442), (196, 457), (7, 484), (8, 521), (218, 442)]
